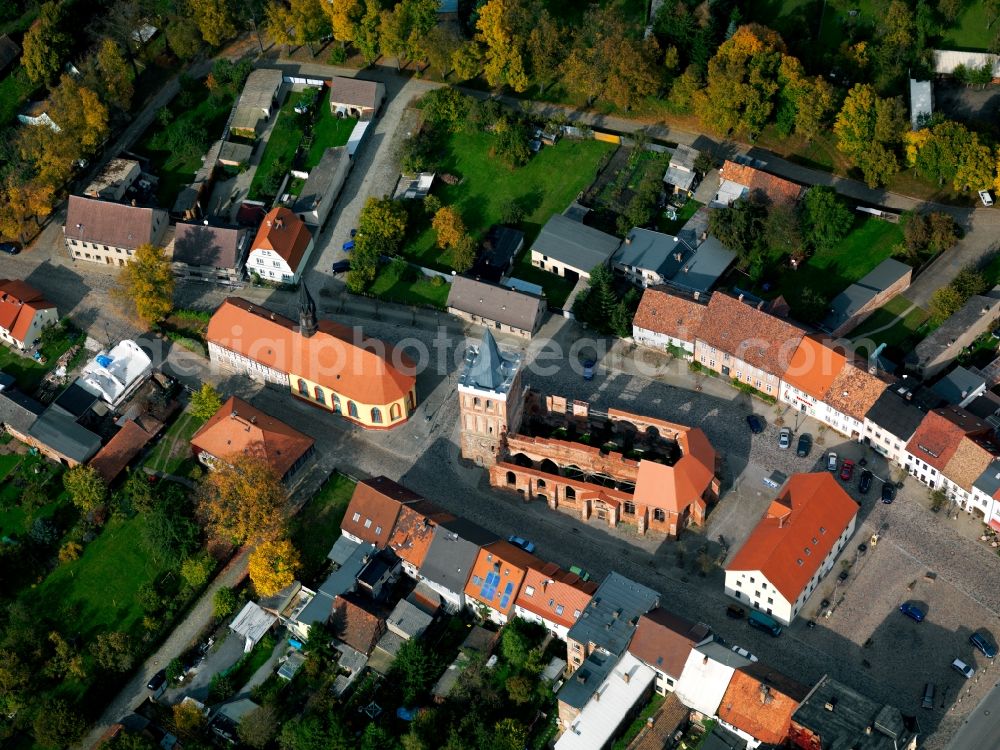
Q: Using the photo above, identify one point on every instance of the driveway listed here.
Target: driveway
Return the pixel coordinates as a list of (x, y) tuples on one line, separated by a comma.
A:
[(222, 656)]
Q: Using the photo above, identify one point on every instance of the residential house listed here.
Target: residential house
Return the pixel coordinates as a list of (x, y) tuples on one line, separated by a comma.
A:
[(666, 320), (847, 401), (387, 514), (355, 623), (57, 435), (609, 620), (940, 348), (793, 546), (323, 363), (413, 533), (323, 186), (234, 155), (115, 375), (960, 387), (853, 305), (127, 443), (495, 307), (380, 572), (281, 249), (407, 620), (647, 258), (498, 252), (553, 597), (742, 180), (450, 559), (663, 642), (891, 421), (192, 200), (227, 717), (24, 314), (619, 697), (206, 252), (496, 579), (836, 716), (706, 676), (986, 494), (680, 176), (669, 719), (746, 344), (256, 103), (758, 705), (252, 623), (814, 366), (313, 607), (571, 249), (109, 233), (10, 51), (356, 97), (114, 180), (921, 103), (18, 412), (238, 428)]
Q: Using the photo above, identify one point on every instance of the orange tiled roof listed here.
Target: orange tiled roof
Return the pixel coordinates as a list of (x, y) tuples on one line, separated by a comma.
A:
[(663, 640), (355, 625), (854, 391), (761, 703), (337, 357), (759, 339), (374, 508), (778, 189), (510, 564), (237, 427), (414, 530), (556, 594), (810, 513), (18, 304), (662, 312), (676, 487), (285, 234), (814, 366), (939, 434), (127, 443), (971, 459)]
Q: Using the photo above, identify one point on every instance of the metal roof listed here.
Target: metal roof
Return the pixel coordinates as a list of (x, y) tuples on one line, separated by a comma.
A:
[(613, 613), (574, 244)]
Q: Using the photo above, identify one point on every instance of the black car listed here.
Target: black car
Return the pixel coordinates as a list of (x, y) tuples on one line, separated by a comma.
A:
[(10, 248), (865, 483), (157, 680), (843, 576), (756, 424), (804, 445), (341, 266), (888, 493)]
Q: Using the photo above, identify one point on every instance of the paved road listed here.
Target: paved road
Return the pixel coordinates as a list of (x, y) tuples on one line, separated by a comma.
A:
[(982, 729)]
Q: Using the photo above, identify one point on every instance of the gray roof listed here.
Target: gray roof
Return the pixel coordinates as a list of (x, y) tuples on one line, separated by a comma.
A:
[(115, 224), (589, 676), (721, 738), (575, 244), (452, 553), (499, 248), (989, 481), (895, 414), (941, 339), (237, 153), (209, 246), (409, 619), (258, 93), (699, 274), (342, 550), (681, 178), (653, 251), (487, 368), (957, 385), (858, 294), (237, 709), (610, 618), (493, 302), (9, 51), (921, 102), (716, 651), (17, 410), (684, 157), (321, 179), (60, 432), (338, 582), (844, 728), (355, 92)]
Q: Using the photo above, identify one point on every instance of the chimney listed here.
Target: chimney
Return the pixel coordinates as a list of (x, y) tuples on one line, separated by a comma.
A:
[(627, 676), (628, 239), (868, 730), (697, 295), (760, 305), (831, 704), (279, 223), (704, 659), (205, 222), (678, 257), (740, 298)]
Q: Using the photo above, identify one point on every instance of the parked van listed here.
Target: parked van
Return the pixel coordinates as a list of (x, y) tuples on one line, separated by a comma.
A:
[(928, 699), (764, 622)]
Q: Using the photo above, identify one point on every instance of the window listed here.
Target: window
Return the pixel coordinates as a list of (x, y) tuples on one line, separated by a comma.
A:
[(739, 583), (529, 590), (756, 595), (475, 401), (659, 515), (395, 412), (807, 551), (559, 609), (576, 614), (356, 517), (477, 581), (260, 261), (276, 263), (368, 523), (336, 402), (320, 396), (303, 388), (822, 529), (752, 580), (376, 415), (378, 529), (770, 601), (629, 508), (352, 409), (286, 278)]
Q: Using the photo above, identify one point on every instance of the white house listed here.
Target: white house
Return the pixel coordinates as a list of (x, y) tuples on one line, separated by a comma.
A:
[(24, 313), (706, 675), (114, 375), (891, 422), (281, 248), (848, 399), (668, 321), (793, 546)]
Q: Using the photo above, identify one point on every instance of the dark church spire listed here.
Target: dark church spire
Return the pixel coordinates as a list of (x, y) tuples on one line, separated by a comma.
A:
[(307, 312)]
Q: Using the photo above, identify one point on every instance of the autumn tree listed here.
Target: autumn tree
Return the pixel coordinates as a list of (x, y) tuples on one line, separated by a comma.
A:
[(468, 60), (949, 152), (114, 651), (215, 20), (895, 43), (242, 499), (463, 253), (56, 724), (205, 402), (272, 566), (449, 227), (196, 570), (869, 129), (183, 36), (146, 284), (344, 15), (309, 22), (15, 677), (278, 19), (87, 489), (806, 104), (366, 37), (45, 44), (440, 47), (546, 48), (188, 718), (116, 76), (504, 26), (224, 602), (381, 228), (257, 728)]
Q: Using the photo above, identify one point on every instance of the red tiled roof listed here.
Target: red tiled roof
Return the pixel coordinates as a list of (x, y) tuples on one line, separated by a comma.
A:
[(778, 189), (127, 443), (556, 594), (761, 702), (814, 366), (970, 460), (511, 564), (19, 303), (414, 530), (355, 625), (759, 339), (938, 436), (663, 641), (237, 427), (284, 233), (337, 357), (676, 487), (810, 513), (854, 391), (662, 312), (374, 508)]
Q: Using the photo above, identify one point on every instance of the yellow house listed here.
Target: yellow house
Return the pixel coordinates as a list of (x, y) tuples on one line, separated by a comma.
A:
[(324, 363)]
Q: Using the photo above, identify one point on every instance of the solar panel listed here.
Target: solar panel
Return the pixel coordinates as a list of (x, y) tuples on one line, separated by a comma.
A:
[(505, 600), (489, 589)]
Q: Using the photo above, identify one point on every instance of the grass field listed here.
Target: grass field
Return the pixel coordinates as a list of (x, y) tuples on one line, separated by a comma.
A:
[(174, 448), (903, 334), (317, 525), (27, 371), (399, 282), (282, 143), (971, 30), (328, 131), (15, 90)]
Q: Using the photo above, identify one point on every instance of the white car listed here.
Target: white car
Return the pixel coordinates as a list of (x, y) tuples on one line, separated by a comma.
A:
[(963, 669), (986, 197), (784, 438), (744, 653)]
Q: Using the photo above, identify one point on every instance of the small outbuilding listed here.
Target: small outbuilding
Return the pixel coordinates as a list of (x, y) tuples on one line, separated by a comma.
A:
[(323, 186), (252, 623), (356, 97)]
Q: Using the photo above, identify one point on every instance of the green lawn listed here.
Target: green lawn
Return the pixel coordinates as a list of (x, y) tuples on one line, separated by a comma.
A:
[(328, 131), (400, 282), (27, 371), (970, 31), (282, 143), (173, 451), (904, 334), (669, 226), (15, 90), (316, 527)]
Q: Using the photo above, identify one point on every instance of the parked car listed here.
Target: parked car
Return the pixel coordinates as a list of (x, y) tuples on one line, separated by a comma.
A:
[(963, 669), (847, 470), (348, 246), (784, 438), (756, 424), (985, 646), (523, 543), (865, 483), (588, 369), (744, 653), (157, 681), (928, 700), (986, 197), (341, 266), (583, 574), (888, 492), (843, 576), (737, 613), (912, 611), (831, 461), (10, 248), (805, 445)]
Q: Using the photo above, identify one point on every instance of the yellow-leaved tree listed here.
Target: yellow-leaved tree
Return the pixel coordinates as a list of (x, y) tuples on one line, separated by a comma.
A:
[(146, 284), (272, 566), (504, 25), (242, 499)]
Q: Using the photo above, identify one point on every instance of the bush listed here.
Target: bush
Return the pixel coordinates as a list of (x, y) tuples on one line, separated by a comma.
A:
[(437, 281), (338, 56), (224, 602)]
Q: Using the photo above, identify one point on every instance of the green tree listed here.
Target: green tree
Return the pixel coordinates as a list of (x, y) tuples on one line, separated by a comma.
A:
[(546, 48), (183, 36), (510, 142), (196, 570), (205, 402), (945, 302), (869, 130), (782, 231), (740, 226), (87, 489), (463, 253), (259, 727), (509, 734), (825, 219), (224, 602), (312, 732), (215, 20), (414, 670), (441, 46), (114, 651), (467, 61), (57, 725), (146, 284), (116, 76), (517, 641), (377, 737), (969, 282), (382, 225), (45, 44), (366, 36)]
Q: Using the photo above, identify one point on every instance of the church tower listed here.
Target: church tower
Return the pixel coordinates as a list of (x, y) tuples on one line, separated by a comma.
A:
[(490, 399), (307, 312)]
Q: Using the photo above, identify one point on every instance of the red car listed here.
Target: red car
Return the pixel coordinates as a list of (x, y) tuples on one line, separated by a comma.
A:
[(847, 470)]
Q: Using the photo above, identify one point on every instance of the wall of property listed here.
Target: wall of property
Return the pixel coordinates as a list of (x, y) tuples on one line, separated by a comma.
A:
[(731, 366), (660, 340), (372, 416), (493, 324)]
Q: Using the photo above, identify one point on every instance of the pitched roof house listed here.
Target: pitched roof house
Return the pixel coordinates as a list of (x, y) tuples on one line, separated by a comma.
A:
[(323, 186), (814, 365), (554, 597), (118, 452), (355, 623), (413, 532), (648, 258), (450, 558), (742, 180), (356, 97), (571, 248), (24, 312), (239, 428), (281, 248), (610, 618), (939, 435), (666, 319), (375, 505), (256, 101), (851, 394), (663, 641), (108, 233), (793, 546), (497, 576), (759, 702), (849, 308), (206, 252), (495, 306)]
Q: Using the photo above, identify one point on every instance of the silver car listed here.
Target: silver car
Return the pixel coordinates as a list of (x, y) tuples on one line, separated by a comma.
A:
[(831, 461), (784, 438)]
